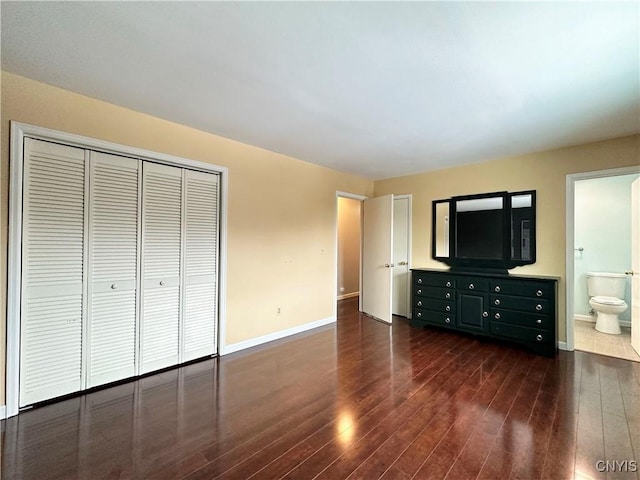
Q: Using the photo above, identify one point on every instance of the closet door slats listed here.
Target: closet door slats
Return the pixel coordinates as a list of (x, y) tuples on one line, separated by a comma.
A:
[(52, 271), (119, 268), (201, 253), (113, 263), (162, 241)]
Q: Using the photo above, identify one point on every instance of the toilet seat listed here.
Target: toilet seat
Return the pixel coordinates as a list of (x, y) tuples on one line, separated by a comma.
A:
[(609, 301)]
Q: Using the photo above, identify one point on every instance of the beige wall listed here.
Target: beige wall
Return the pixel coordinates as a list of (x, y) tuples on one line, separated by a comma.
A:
[(281, 211), (348, 245), (544, 172)]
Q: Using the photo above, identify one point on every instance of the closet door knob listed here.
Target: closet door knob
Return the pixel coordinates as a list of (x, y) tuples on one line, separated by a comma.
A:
[(161, 283), (114, 286)]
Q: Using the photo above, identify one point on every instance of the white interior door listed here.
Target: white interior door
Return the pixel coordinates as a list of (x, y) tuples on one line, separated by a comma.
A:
[(401, 219), (113, 268), (52, 305), (200, 265), (161, 259), (635, 265), (377, 255)]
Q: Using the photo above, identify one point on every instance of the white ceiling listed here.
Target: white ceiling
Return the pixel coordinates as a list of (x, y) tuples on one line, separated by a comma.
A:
[(376, 89)]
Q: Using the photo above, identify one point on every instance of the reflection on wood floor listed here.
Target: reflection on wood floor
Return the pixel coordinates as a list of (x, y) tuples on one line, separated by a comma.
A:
[(358, 399)]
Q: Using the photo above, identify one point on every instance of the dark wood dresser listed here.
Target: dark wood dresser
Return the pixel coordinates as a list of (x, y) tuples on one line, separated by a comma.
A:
[(509, 307)]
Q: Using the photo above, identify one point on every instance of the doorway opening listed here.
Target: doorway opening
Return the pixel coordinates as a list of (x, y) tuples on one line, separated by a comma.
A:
[(599, 246), (349, 248), (358, 251)]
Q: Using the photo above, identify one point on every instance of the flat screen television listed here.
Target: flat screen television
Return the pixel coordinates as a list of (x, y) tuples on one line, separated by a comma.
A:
[(493, 231)]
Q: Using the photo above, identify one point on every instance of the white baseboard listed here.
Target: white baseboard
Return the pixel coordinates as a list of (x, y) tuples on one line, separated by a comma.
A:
[(253, 342), (562, 346), (590, 319), (3, 412), (348, 295)]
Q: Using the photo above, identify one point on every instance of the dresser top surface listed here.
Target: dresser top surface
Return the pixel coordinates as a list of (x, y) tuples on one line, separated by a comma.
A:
[(488, 274)]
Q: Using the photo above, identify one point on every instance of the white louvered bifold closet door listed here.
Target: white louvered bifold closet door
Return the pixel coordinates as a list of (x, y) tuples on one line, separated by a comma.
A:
[(113, 268), (161, 258), (52, 271), (200, 264)]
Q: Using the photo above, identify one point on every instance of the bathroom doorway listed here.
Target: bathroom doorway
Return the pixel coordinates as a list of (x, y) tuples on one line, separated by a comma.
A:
[(599, 240)]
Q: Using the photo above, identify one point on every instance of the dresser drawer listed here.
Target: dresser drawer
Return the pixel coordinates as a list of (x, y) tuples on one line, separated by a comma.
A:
[(532, 305), (433, 317), (473, 283), (432, 280), (520, 333), (436, 305), (525, 289), (434, 292), (531, 320)]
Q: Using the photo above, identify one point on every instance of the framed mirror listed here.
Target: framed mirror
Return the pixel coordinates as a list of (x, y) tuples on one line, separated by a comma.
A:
[(479, 227), (440, 238), (490, 231), (523, 218)]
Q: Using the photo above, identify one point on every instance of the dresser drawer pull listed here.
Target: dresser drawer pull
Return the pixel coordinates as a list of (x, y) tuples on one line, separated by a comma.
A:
[(539, 321), (447, 320), (448, 284), (419, 314), (497, 301), (419, 280), (539, 337), (539, 293), (448, 295), (485, 314), (497, 316), (419, 291), (471, 286), (447, 308), (539, 307), (419, 303), (497, 289)]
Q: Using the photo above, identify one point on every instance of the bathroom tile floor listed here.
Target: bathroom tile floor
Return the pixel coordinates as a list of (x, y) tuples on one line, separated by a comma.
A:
[(588, 339)]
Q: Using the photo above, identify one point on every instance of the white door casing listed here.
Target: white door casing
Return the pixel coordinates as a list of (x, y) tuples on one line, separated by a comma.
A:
[(377, 254), (401, 229), (635, 265)]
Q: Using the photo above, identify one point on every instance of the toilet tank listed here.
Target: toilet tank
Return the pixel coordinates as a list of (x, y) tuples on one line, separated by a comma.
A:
[(606, 284)]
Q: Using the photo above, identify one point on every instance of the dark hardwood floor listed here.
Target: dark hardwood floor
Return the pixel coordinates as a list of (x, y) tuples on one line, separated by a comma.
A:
[(356, 400)]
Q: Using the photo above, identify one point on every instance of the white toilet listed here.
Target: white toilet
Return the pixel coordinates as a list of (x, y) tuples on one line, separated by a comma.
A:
[(607, 292)]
